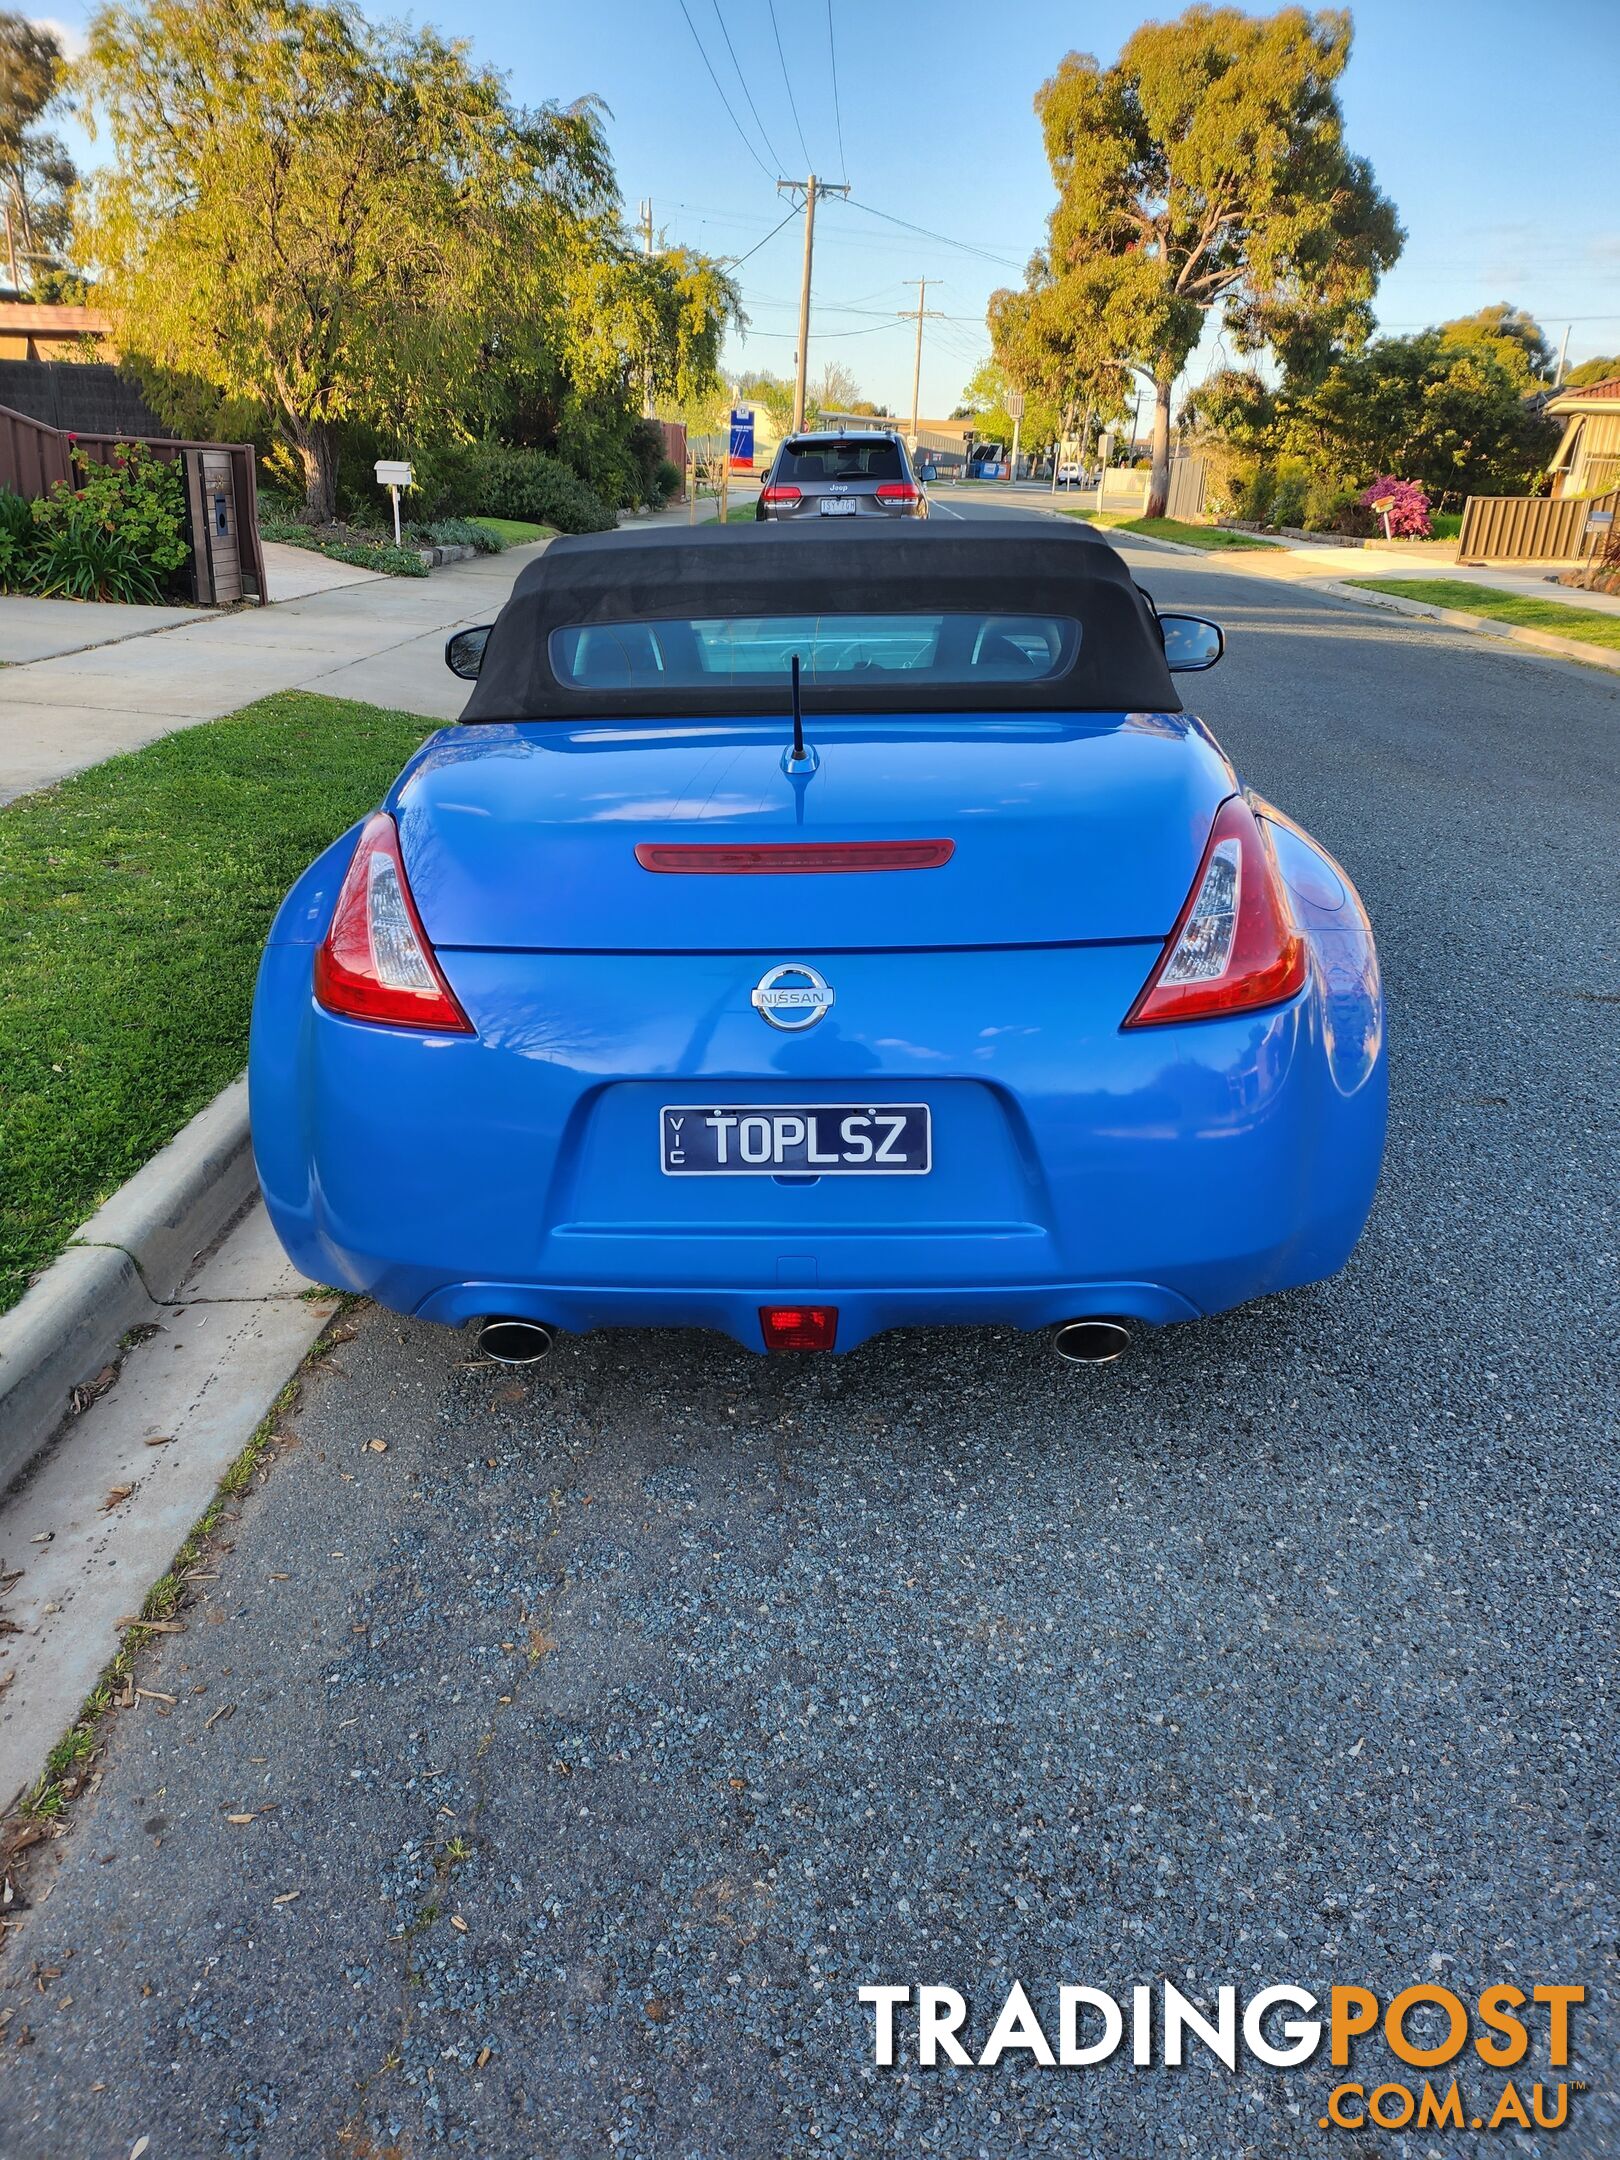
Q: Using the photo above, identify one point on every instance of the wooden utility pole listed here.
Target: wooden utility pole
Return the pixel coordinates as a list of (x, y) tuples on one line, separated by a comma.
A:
[(646, 358), (809, 189), (922, 311)]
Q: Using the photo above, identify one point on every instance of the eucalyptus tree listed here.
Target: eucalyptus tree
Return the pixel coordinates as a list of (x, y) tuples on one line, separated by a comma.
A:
[(1206, 169)]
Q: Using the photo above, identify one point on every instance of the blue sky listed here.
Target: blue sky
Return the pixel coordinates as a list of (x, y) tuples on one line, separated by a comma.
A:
[(1495, 127)]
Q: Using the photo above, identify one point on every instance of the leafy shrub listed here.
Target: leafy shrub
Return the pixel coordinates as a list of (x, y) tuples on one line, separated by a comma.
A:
[(1294, 479), (1333, 508), (1403, 503), (1260, 492), (138, 496), (19, 542), (119, 536), (396, 561), (81, 557), (493, 479), (462, 532), (666, 479)]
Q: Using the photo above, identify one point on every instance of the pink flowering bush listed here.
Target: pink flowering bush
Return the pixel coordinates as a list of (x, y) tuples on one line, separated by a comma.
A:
[(1404, 503)]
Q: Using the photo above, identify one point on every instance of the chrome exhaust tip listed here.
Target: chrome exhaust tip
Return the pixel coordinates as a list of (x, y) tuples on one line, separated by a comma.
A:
[(513, 1342), (1091, 1342)]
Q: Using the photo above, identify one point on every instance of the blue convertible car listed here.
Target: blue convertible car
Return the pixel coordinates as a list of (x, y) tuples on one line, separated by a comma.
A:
[(803, 938)]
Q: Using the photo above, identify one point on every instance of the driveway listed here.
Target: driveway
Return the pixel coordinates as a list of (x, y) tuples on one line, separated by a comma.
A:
[(552, 1757), (380, 639)]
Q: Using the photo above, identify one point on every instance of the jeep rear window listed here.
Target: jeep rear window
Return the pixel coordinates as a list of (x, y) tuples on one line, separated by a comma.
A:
[(820, 460), (692, 653)]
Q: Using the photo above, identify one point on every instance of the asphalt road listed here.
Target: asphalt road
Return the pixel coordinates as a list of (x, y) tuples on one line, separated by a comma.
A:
[(617, 1722)]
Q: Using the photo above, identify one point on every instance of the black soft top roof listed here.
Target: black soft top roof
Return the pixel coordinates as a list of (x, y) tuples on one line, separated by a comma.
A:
[(1003, 566)]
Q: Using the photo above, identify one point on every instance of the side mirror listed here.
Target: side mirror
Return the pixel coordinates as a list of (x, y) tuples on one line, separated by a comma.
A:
[(1191, 643), (464, 653)]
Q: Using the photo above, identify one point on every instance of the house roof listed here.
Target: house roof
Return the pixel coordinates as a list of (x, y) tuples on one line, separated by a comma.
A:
[(1599, 393)]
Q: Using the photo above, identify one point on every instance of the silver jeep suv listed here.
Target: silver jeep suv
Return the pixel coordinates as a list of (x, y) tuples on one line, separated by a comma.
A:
[(841, 474)]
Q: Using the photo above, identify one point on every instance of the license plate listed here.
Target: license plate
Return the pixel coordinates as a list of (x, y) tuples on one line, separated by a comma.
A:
[(837, 506), (790, 1140)]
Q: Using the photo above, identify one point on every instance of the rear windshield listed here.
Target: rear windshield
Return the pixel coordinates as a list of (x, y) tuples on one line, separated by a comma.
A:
[(822, 460), (836, 650)]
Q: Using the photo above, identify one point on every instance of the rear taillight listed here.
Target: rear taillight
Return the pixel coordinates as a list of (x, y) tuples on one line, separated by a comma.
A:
[(780, 495), (897, 491), (375, 962), (1235, 946)]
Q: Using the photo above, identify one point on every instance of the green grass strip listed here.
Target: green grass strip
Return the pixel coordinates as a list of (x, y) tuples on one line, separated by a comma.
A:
[(1586, 624), (515, 531), (134, 899), (1198, 536)]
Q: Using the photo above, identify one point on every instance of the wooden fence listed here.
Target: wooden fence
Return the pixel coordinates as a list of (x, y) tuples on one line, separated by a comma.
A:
[(1533, 528), (34, 458)]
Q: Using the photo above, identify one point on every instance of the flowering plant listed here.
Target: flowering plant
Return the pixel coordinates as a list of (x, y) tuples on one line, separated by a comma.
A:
[(1402, 505)]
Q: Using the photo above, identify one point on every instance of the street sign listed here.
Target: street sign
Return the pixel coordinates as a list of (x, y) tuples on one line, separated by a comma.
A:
[(742, 441), (1015, 405)]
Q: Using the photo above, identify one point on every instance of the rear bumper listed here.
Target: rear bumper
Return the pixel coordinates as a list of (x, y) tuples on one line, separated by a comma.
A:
[(1159, 1175)]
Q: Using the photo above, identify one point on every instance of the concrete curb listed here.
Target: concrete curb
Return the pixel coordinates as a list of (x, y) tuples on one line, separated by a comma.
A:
[(121, 1267), (1543, 641)]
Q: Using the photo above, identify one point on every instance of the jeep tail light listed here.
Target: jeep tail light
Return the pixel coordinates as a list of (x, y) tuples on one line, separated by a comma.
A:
[(375, 962), (1234, 947), (799, 1327), (897, 491), (781, 495)]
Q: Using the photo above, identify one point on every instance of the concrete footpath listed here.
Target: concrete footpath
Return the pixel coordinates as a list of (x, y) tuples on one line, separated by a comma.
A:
[(99, 1517), (361, 636)]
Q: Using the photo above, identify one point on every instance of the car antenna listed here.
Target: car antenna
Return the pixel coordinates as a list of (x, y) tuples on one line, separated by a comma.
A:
[(798, 717), (800, 761)]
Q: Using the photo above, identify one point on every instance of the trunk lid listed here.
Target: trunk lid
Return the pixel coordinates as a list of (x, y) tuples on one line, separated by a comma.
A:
[(1067, 830)]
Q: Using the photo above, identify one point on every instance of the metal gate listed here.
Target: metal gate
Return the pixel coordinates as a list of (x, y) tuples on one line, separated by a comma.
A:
[(1535, 528)]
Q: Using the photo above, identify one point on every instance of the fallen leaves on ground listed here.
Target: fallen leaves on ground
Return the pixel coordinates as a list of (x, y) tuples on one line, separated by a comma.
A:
[(81, 1397), (116, 1496)]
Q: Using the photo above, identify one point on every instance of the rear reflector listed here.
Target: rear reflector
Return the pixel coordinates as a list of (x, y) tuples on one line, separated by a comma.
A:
[(781, 495), (375, 962), (897, 491), (799, 1327), (1235, 946), (808, 858)]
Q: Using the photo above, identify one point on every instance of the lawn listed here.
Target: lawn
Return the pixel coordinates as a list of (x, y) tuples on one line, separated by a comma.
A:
[(1587, 624), (137, 897), (1198, 536), (514, 531)]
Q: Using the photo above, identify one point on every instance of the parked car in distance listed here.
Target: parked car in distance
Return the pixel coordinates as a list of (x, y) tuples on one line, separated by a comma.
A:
[(832, 475), (1069, 474)]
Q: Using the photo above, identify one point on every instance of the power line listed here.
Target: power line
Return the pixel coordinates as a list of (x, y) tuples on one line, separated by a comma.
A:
[(968, 247), (747, 93), (725, 101), (787, 81), (832, 54), (870, 331), (754, 250)]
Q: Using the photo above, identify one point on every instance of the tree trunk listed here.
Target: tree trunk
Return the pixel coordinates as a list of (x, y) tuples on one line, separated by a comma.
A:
[(1159, 480), (316, 451)]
